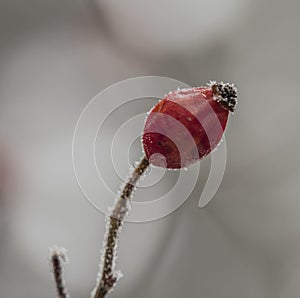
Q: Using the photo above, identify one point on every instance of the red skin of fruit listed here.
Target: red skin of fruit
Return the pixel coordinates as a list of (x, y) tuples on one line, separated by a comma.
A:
[(185, 126)]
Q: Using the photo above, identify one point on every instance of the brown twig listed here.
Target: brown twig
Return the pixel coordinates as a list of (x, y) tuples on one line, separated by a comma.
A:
[(58, 256), (109, 276)]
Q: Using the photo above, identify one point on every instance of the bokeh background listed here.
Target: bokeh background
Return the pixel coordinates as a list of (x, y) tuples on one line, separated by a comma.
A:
[(56, 55)]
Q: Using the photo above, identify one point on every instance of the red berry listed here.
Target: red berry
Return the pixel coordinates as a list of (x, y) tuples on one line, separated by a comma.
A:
[(187, 124)]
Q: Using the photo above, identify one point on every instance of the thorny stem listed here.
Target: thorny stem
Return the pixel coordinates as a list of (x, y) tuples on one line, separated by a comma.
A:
[(109, 277), (58, 257)]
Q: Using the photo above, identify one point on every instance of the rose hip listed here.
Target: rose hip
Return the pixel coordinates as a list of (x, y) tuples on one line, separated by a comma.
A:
[(187, 124)]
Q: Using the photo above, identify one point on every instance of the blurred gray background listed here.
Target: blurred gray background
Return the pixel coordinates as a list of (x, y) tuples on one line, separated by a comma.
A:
[(56, 55)]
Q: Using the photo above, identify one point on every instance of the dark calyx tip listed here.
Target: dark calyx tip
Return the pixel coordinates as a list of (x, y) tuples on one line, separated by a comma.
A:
[(225, 94)]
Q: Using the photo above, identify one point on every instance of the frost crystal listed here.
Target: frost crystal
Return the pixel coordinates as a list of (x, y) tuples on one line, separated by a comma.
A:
[(60, 252)]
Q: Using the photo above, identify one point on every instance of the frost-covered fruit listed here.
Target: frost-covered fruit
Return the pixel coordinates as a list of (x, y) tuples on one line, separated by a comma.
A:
[(187, 124)]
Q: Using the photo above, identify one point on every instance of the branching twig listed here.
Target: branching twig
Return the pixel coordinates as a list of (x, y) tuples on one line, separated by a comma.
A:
[(109, 276), (58, 256)]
